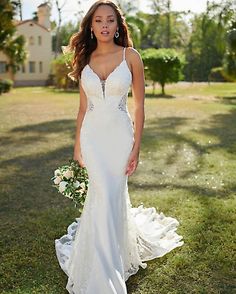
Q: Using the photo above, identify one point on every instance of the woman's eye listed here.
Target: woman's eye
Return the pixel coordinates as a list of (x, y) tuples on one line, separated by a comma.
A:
[(97, 20), (111, 20)]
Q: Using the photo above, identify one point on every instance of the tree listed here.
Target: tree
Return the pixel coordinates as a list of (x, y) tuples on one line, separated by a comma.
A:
[(163, 66), (127, 6), (61, 66), (163, 7), (229, 63), (154, 34), (136, 25), (66, 31), (61, 8), (11, 44), (207, 45)]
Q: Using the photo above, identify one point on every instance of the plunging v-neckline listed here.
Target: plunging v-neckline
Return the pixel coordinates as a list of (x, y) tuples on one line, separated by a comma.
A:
[(104, 80)]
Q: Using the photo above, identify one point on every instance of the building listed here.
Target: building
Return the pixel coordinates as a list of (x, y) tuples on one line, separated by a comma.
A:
[(36, 69)]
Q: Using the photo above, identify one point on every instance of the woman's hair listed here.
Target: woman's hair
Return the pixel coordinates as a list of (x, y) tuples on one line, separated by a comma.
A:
[(82, 45)]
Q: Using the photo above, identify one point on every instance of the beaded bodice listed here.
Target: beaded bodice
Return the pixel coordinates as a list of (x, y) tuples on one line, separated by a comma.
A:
[(109, 93)]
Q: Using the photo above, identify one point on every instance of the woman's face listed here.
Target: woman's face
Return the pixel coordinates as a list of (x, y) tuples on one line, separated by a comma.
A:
[(104, 23)]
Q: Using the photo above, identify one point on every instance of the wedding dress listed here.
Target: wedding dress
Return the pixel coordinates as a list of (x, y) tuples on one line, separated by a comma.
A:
[(111, 239)]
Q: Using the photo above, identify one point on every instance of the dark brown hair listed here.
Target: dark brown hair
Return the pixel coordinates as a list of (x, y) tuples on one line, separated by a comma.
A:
[(82, 45)]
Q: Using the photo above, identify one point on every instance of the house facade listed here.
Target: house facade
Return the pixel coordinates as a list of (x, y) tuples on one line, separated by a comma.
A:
[(36, 69)]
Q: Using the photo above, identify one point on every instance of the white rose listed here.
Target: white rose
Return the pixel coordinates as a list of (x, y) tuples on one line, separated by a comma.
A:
[(57, 180), (76, 184), (68, 174), (62, 186), (57, 172)]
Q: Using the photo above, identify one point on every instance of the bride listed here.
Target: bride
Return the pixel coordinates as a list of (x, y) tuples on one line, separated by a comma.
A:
[(111, 239)]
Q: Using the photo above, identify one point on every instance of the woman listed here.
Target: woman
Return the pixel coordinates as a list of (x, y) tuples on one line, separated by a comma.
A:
[(111, 239)]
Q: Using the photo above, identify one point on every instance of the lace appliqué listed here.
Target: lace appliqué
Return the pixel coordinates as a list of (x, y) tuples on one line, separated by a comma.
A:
[(90, 105), (122, 105)]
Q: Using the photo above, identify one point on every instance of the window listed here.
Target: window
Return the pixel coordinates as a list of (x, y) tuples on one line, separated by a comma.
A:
[(31, 40), (32, 66), (39, 40), (3, 67), (40, 66)]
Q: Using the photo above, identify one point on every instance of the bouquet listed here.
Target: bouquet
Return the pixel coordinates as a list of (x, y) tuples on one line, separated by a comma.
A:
[(72, 182)]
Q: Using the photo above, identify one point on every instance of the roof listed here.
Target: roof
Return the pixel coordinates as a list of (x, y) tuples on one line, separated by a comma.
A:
[(43, 4), (31, 20)]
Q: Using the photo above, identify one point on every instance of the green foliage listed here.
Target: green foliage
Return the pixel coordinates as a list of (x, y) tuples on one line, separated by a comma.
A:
[(64, 34), (5, 85), (11, 44), (60, 69), (74, 179), (230, 65), (232, 39), (229, 61), (207, 45), (217, 75), (6, 27), (164, 30), (136, 27), (163, 66)]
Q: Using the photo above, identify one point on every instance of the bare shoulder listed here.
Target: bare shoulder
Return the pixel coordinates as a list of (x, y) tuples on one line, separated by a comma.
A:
[(133, 58), (132, 54)]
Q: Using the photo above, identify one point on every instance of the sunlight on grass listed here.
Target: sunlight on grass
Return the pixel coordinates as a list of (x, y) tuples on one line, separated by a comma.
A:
[(186, 170)]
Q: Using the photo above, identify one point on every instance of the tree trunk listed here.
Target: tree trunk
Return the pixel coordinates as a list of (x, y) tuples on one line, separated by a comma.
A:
[(163, 89), (168, 27), (153, 88)]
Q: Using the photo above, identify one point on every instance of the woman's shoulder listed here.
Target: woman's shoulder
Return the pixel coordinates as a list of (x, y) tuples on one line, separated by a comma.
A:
[(132, 55)]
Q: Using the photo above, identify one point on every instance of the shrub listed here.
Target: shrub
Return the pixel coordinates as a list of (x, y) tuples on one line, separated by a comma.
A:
[(5, 85), (217, 75), (163, 66), (60, 69)]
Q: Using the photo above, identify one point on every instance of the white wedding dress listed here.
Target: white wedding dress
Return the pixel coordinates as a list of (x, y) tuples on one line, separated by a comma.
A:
[(111, 239)]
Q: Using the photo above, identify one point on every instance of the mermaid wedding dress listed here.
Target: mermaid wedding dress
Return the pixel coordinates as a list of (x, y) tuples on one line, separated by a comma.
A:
[(111, 239)]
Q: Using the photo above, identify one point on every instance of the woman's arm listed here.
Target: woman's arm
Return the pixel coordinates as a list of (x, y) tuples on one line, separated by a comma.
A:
[(82, 110), (138, 91)]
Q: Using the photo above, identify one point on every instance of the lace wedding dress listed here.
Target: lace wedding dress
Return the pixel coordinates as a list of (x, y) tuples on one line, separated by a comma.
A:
[(111, 239)]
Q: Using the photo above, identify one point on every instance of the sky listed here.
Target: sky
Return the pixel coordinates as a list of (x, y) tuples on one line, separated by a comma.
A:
[(29, 6)]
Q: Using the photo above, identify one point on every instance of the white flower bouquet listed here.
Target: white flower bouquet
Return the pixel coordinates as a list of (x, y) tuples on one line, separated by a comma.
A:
[(72, 182)]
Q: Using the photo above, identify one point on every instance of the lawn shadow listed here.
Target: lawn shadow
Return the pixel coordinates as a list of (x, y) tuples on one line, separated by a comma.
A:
[(27, 194), (205, 235), (55, 126), (227, 99), (222, 126), (33, 214), (182, 156), (20, 136), (166, 96)]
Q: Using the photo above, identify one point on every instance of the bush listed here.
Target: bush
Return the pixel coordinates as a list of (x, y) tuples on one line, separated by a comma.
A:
[(229, 66), (163, 66), (5, 85), (60, 69), (217, 75)]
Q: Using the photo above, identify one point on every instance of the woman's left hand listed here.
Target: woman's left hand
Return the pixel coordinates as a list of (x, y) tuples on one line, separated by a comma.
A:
[(132, 162)]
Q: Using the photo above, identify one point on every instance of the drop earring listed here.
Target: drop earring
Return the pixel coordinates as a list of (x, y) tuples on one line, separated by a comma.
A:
[(117, 34), (91, 34)]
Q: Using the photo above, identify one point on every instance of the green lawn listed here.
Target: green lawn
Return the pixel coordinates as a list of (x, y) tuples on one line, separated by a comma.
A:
[(187, 170)]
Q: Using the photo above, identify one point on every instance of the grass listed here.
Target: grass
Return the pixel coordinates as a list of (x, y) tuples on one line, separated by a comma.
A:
[(187, 170)]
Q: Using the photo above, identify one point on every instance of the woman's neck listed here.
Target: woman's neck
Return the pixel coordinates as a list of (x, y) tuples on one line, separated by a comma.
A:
[(103, 48)]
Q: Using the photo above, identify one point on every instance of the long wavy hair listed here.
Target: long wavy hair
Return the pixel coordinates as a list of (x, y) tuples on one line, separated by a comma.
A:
[(82, 45)]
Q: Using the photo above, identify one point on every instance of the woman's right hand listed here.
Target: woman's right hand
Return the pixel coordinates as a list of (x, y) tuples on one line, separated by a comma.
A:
[(78, 157)]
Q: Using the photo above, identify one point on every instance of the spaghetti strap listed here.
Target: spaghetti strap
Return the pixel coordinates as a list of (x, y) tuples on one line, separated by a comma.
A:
[(124, 53)]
